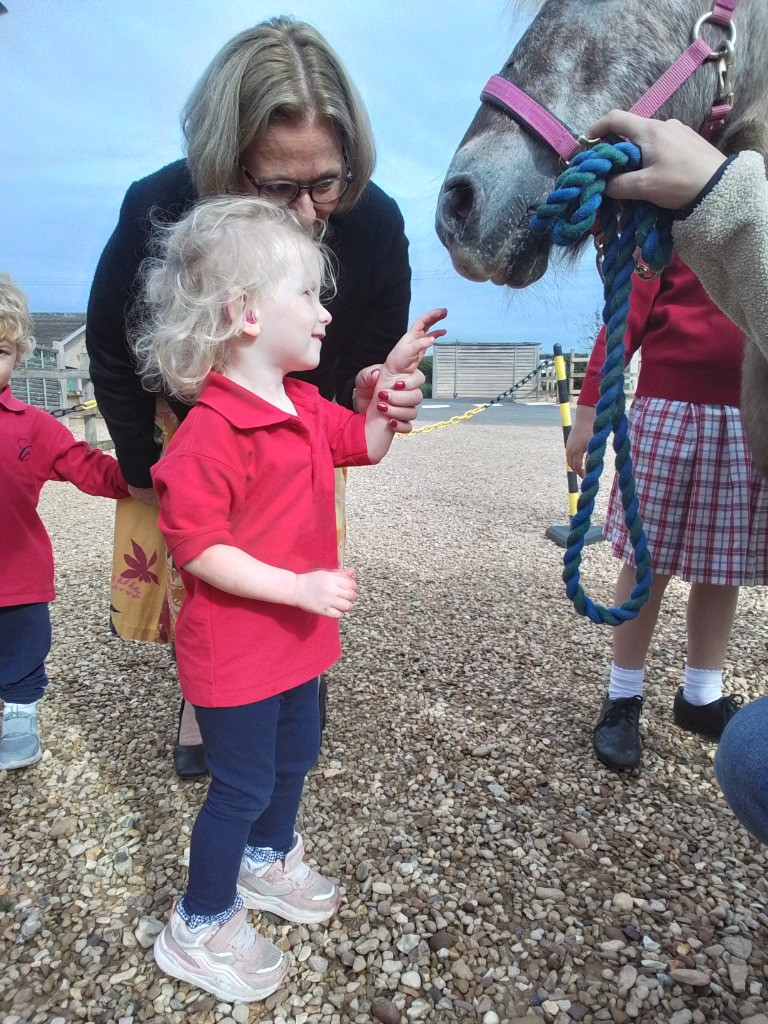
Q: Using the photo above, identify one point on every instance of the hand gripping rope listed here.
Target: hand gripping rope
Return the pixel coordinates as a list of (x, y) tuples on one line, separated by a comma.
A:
[(569, 215)]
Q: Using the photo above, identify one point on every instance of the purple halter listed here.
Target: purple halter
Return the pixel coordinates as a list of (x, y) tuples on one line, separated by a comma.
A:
[(531, 114)]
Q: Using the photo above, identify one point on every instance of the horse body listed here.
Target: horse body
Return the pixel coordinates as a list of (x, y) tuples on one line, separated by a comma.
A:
[(581, 58)]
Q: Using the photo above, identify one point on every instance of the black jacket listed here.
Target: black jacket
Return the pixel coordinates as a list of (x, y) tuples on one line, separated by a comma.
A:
[(370, 308)]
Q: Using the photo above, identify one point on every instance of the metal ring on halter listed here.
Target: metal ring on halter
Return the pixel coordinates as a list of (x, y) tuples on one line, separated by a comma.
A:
[(708, 18)]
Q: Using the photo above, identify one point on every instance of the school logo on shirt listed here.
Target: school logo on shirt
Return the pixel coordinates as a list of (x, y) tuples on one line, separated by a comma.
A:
[(25, 449)]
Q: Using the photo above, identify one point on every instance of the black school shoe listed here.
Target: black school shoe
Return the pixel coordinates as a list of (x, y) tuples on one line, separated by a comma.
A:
[(616, 737), (706, 719), (189, 760)]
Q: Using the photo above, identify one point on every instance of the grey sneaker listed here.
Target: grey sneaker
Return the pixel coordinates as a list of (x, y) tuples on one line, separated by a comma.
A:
[(289, 888), (230, 960), (20, 743)]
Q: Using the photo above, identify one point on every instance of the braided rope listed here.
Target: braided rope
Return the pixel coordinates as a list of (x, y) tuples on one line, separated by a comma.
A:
[(569, 215)]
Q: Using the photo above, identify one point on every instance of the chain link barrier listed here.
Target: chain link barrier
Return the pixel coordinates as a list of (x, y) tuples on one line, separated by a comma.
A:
[(470, 413), (82, 407)]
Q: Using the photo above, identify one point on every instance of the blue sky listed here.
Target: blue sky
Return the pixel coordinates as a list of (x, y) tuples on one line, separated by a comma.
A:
[(90, 92)]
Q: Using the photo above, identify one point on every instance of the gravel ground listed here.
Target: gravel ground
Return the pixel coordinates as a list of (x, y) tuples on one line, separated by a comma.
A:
[(492, 869)]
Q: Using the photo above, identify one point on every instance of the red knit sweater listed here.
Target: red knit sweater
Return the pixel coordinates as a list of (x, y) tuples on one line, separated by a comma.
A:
[(691, 352)]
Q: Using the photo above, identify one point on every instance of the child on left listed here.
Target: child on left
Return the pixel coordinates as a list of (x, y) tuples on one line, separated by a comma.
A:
[(34, 448)]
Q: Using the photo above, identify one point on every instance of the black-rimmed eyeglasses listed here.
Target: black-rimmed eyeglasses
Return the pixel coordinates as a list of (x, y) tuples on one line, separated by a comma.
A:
[(324, 190)]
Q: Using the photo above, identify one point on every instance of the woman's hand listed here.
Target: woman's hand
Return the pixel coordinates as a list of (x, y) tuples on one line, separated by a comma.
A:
[(677, 163), (400, 403), (578, 439), (146, 495)]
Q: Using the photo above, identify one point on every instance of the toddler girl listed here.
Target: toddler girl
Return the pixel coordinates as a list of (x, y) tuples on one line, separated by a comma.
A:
[(34, 447), (246, 493)]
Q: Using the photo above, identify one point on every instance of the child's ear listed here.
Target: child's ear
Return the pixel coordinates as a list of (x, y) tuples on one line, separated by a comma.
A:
[(235, 310), (252, 327)]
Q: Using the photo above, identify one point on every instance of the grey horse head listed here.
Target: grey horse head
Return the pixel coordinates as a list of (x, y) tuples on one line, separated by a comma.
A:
[(581, 58)]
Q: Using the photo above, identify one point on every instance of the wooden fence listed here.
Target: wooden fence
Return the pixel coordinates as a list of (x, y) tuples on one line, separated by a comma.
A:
[(47, 389)]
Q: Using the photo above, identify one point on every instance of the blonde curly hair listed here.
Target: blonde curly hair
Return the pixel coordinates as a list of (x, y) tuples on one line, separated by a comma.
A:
[(211, 268), (15, 322)]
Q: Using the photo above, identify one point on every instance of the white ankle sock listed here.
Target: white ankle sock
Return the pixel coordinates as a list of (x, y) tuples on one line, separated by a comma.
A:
[(20, 709), (702, 685), (625, 682)]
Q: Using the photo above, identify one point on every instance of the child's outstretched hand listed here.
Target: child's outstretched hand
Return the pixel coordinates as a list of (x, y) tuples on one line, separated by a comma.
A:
[(397, 395), (411, 349), (325, 592)]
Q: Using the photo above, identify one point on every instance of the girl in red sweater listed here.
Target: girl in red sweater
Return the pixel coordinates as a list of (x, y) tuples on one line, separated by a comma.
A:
[(704, 505), (34, 447)]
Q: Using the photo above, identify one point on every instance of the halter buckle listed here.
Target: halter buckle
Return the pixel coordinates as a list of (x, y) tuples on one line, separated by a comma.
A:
[(725, 59)]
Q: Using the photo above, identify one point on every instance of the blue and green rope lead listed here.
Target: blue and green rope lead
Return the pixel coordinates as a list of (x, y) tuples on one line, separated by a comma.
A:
[(569, 215)]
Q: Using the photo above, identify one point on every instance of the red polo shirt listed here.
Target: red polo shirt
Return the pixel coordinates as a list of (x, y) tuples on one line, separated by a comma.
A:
[(35, 447), (241, 472), (691, 352)]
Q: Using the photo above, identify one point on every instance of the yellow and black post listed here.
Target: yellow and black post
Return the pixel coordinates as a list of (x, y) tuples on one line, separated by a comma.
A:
[(559, 534)]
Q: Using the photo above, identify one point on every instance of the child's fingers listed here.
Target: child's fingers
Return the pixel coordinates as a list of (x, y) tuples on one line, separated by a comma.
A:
[(423, 323)]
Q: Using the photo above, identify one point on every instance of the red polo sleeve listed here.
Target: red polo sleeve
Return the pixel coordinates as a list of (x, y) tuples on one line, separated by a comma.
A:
[(345, 431), (197, 493), (89, 469)]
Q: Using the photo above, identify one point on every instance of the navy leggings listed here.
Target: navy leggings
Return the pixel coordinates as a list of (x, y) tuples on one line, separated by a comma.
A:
[(25, 642), (258, 756)]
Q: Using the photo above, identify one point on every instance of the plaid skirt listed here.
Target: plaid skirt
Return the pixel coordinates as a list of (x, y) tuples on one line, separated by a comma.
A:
[(703, 504)]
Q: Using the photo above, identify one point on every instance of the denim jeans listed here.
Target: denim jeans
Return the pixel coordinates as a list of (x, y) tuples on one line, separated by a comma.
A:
[(741, 766), (258, 756)]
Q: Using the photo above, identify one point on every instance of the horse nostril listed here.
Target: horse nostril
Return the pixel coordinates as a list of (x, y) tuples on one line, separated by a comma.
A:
[(458, 199)]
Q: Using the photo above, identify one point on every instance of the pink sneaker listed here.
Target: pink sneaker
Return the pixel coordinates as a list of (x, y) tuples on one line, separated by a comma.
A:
[(289, 888), (230, 960)]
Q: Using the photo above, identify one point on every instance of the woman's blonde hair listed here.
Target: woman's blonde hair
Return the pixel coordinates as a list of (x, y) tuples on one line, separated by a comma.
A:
[(282, 70), (211, 268), (15, 322)]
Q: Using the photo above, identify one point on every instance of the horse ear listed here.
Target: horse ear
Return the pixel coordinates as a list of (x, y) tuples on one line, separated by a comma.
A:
[(751, 133)]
